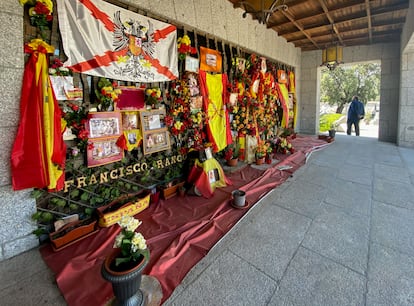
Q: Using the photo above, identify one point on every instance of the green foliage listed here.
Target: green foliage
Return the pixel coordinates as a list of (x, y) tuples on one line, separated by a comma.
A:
[(339, 85), (326, 121)]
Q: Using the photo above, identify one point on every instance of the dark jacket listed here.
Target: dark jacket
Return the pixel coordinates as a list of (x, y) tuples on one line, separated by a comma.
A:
[(356, 110)]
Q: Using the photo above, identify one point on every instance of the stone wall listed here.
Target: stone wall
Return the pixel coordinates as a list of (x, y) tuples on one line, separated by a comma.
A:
[(217, 18), (15, 207), (406, 111)]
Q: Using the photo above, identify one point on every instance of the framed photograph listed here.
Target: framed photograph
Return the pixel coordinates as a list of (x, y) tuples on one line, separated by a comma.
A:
[(103, 151), (152, 119), (156, 141), (191, 64), (192, 80), (196, 103), (129, 120), (104, 124)]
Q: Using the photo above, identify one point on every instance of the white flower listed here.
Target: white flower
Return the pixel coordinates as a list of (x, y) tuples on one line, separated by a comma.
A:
[(129, 223), (138, 242), (118, 240)]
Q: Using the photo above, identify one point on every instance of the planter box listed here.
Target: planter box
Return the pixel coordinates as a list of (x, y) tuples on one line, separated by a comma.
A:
[(169, 192), (114, 211), (72, 232)]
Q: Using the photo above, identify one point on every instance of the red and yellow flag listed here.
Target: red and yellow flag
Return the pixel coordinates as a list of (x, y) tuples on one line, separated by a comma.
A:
[(38, 153)]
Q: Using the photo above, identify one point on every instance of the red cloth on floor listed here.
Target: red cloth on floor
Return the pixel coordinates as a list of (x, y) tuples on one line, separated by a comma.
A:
[(179, 232)]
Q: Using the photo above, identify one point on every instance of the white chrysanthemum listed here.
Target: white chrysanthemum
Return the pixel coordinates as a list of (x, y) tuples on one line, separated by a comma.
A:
[(118, 240), (138, 242), (133, 224)]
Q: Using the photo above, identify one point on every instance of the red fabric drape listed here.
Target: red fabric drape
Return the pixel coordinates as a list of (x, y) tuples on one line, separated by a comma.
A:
[(179, 232)]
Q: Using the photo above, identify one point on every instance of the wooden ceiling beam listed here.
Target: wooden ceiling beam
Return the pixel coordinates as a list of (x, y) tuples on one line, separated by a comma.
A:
[(292, 19), (341, 23), (331, 21), (368, 8), (374, 12)]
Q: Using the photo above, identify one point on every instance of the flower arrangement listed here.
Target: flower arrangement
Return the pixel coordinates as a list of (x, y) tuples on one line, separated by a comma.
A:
[(131, 243), (40, 13), (76, 117), (261, 149), (107, 94), (56, 68), (184, 47), (232, 151), (153, 96), (185, 126), (284, 146)]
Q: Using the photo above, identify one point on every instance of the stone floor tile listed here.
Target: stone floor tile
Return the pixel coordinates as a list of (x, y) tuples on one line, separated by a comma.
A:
[(393, 227), (353, 197), (12, 272), (395, 193), (37, 289), (392, 173), (357, 174), (304, 198), (314, 280), (340, 237), (319, 175), (390, 277), (276, 234), (223, 283)]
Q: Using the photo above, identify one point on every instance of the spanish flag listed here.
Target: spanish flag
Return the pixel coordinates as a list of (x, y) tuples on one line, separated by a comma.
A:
[(38, 153)]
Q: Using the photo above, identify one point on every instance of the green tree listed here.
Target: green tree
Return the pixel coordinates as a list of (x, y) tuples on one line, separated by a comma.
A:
[(339, 85)]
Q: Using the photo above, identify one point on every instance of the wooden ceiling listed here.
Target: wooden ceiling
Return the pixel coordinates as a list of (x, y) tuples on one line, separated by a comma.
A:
[(317, 24)]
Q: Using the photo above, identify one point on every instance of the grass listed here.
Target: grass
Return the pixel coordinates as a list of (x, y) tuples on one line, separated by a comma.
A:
[(326, 120)]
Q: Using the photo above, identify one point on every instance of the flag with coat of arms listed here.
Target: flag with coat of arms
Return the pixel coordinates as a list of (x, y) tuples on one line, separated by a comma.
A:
[(104, 40)]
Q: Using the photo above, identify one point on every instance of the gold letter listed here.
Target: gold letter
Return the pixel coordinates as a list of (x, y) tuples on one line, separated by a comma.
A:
[(112, 175), (129, 170), (159, 164), (67, 185), (82, 181), (104, 177), (92, 180)]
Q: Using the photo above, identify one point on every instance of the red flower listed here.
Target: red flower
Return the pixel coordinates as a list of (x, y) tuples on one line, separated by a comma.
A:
[(74, 107), (90, 146), (41, 9), (83, 134)]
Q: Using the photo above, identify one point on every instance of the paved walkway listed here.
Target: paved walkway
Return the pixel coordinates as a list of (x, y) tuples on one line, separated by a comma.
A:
[(338, 232)]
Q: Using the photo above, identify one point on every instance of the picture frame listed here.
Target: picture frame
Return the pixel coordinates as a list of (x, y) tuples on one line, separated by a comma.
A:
[(104, 124), (130, 120), (152, 119), (155, 141), (103, 151), (191, 64)]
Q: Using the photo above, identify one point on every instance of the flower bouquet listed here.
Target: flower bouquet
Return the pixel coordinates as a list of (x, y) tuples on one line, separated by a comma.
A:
[(107, 94), (153, 97), (231, 153), (132, 244)]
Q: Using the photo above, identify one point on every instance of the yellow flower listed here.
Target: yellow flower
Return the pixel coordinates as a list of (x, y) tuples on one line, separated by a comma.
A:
[(48, 4), (178, 125)]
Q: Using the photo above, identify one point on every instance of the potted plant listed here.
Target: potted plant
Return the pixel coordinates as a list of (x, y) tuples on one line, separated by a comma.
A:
[(260, 152), (123, 268), (231, 154)]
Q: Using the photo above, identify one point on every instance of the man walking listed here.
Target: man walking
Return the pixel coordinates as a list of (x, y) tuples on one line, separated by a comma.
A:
[(356, 112)]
